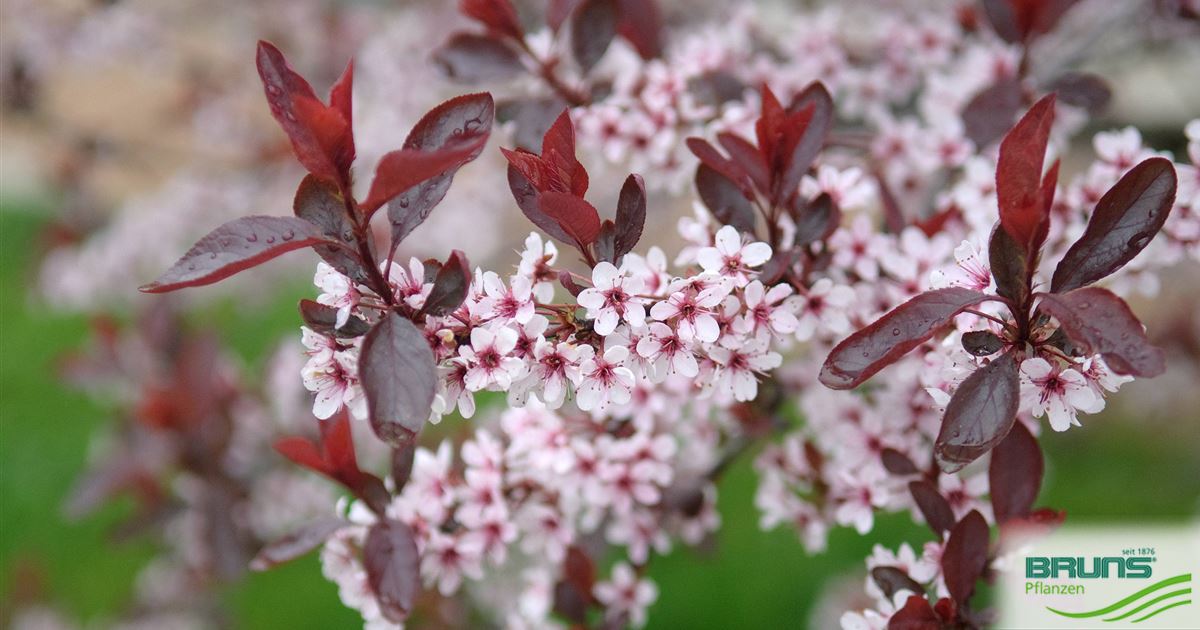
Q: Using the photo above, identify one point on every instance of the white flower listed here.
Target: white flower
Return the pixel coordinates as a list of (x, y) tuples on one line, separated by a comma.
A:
[(1057, 393), (488, 359), (337, 291), (670, 354), (694, 313), (823, 308), (766, 311), (626, 595), (731, 259), (512, 301), (605, 380), (409, 284), (740, 367), (611, 299), (971, 271)]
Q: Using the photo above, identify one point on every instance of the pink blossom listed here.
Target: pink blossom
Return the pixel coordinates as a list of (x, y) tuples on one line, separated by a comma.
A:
[(612, 299), (730, 258), (1057, 393), (626, 595)]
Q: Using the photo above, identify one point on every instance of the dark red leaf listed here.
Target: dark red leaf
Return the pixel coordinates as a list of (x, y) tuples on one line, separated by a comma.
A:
[(747, 158), (1010, 269), (578, 569), (592, 30), (1126, 219), (341, 95), (724, 199), (812, 126), (238, 245), (1082, 89), (916, 615), (558, 155), (933, 506), (392, 562), (897, 463), (1099, 322), (982, 343), (991, 112), (605, 246), (461, 121), (473, 58), (321, 202), (402, 464), (321, 135), (1003, 19), (894, 216), (499, 16), (568, 283), (558, 11), (641, 24), (892, 580), (297, 543), (401, 170), (965, 556), (323, 319), (450, 285), (1017, 21), (337, 450), (730, 170), (399, 377), (817, 220), (1024, 212), (905, 327), (575, 216), (1015, 474), (532, 118), (631, 215), (980, 414), (716, 87), (525, 192)]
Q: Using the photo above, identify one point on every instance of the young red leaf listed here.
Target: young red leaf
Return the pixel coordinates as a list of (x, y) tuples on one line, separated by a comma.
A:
[(1024, 214), (461, 121), (631, 215), (297, 543), (321, 135), (1010, 269), (916, 614), (341, 95), (592, 30), (905, 327), (575, 216), (724, 199), (450, 285), (238, 245), (817, 220), (472, 58), (402, 464), (980, 414), (532, 117), (1081, 89), (897, 463), (892, 580), (1125, 220), (302, 451), (499, 16), (1016, 21), (320, 202), (991, 112), (933, 506), (1015, 474), (401, 170), (641, 25), (810, 123), (605, 246), (392, 562), (526, 194), (1099, 322), (398, 375), (982, 343), (746, 156), (730, 170), (323, 319), (558, 154), (965, 556)]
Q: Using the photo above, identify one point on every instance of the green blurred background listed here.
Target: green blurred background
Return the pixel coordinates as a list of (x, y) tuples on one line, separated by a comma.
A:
[(749, 579)]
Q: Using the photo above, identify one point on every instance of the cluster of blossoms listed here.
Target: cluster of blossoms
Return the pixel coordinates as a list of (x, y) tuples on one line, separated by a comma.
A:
[(630, 387)]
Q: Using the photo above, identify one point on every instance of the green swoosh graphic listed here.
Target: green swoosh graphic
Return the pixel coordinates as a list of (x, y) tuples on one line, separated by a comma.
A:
[(1163, 609), (1186, 591), (1178, 579)]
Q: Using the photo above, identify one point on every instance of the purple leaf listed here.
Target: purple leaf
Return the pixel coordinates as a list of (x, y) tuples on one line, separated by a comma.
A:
[(727, 168), (238, 245), (463, 120), (399, 377), (982, 343), (323, 319), (450, 285), (747, 157), (1099, 322), (393, 568), (933, 506), (402, 170), (892, 580), (1009, 266), (605, 246), (320, 202), (532, 118), (473, 58), (592, 30), (812, 139), (965, 556), (905, 327), (817, 220), (641, 24), (1125, 220), (1015, 474), (297, 543), (1082, 90), (980, 413), (631, 215), (526, 196), (991, 112), (916, 614), (1024, 209), (577, 218), (724, 199), (402, 464), (897, 463)]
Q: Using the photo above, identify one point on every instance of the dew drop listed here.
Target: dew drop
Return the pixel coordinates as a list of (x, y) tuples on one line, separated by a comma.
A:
[(1138, 241), (191, 266), (955, 433), (288, 235), (290, 116), (252, 238), (1083, 306), (273, 89), (403, 202), (895, 332), (866, 354), (270, 239), (212, 255)]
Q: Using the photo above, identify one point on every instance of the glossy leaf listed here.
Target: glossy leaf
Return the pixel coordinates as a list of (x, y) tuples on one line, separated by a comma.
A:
[(641, 24), (980, 414), (965, 556), (526, 195), (605, 246), (472, 58), (631, 215), (1024, 211), (990, 113), (746, 156), (813, 118), (905, 327), (724, 199), (592, 30), (1099, 322), (1015, 474), (392, 563), (1126, 219), (916, 614), (296, 544), (450, 285), (401, 170), (398, 375), (933, 506), (558, 154), (236, 246), (499, 16), (532, 117), (461, 121), (1009, 266), (982, 343), (577, 218), (712, 159), (321, 202), (323, 319)]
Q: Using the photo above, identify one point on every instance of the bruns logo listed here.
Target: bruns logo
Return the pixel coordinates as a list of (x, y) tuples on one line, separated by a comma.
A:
[(1053, 567)]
